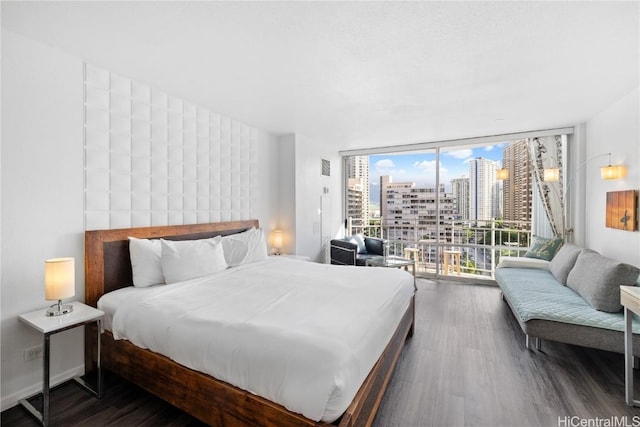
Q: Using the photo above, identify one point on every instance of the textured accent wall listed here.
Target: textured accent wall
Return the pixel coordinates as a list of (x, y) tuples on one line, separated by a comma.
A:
[(155, 159)]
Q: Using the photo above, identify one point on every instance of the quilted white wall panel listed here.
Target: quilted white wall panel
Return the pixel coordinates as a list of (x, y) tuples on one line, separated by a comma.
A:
[(155, 159)]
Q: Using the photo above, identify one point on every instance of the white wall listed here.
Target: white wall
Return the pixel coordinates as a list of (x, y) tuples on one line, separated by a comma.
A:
[(310, 188), (287, 192), (615, 130), (43, 201), (302, 187)]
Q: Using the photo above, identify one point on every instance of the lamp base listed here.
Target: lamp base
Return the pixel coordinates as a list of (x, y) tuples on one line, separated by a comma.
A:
[(59, 309)]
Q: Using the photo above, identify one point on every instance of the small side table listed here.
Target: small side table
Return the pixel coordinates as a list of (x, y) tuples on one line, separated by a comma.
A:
[(630, 299), (456, 261), (412, 253), (81, 315)]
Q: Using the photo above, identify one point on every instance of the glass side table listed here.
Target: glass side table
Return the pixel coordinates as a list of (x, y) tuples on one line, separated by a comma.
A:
[(394, 262)]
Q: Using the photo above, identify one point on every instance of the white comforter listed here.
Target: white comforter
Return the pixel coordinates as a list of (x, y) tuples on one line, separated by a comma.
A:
[(301, 334)]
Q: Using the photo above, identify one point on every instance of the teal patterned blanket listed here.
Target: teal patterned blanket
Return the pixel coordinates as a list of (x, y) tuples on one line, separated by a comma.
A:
[(536, 294)]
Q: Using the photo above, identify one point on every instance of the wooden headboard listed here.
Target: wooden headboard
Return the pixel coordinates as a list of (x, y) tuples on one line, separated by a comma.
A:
[(107, 263)]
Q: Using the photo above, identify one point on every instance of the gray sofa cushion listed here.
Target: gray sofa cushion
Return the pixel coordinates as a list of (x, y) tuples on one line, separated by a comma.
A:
[(598, 278), (563, 261)]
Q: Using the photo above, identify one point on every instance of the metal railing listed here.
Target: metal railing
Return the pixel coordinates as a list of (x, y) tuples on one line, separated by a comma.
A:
[(479, 244)]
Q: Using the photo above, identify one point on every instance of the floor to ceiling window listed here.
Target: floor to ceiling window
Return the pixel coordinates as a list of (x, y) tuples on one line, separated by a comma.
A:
[(468, 204)]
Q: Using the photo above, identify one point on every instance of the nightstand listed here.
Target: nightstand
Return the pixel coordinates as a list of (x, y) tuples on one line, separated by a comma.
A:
[(81, 315)]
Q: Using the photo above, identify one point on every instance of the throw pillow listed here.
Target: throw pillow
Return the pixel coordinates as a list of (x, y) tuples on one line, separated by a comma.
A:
[(358, 240), (188, 259), (598, 279), (543, 248), (146, 264), (563, 261)]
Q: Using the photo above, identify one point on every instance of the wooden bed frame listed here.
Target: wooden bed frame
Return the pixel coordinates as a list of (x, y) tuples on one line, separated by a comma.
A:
[(108, 267)]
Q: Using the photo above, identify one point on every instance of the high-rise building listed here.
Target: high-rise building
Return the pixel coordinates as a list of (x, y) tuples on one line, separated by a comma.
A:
[(354, 202), (460, 190), (409, 212), (517, 188), (357, 167), (485, 194)]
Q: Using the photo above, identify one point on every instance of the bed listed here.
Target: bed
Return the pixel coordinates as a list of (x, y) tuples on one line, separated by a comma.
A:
[(212, 400)]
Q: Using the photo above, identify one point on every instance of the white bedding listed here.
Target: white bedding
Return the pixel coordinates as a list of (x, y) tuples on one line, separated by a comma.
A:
[(300, 334)]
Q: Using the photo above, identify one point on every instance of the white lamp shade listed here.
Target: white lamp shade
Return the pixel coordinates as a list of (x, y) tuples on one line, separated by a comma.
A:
[(276, 239), (502, 174), (612, 172), (551, 175), (59, 278)]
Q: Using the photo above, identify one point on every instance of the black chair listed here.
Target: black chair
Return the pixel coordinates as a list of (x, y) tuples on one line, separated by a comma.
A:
[(347, 251)]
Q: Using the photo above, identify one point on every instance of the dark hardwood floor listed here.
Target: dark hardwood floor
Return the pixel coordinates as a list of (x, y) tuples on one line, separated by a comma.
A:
[(466, 365)]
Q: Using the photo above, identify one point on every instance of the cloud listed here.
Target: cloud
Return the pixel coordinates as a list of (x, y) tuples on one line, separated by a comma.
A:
[(426, 165), (429, 167), (488, 148), (385, 165), (460, 154)]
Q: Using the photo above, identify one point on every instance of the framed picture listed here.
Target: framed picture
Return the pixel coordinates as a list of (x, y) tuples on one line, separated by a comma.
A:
[(622, 210)]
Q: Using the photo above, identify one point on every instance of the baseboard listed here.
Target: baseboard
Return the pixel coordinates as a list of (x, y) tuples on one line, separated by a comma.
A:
[(12, 400)]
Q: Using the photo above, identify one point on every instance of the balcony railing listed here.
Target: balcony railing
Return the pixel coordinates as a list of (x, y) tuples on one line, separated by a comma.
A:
[(480, 244)]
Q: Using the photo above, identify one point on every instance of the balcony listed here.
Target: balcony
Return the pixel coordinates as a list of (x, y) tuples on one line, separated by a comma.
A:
[(479, 244)]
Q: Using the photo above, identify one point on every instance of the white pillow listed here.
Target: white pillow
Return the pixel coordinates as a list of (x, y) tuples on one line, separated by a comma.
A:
[(236, 247), (188, 259), (523, 262), (242, 248), (146, 263), (257, 247)]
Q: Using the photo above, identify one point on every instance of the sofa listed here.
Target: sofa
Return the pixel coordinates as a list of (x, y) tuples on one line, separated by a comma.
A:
[(572, 298), (356, 250)]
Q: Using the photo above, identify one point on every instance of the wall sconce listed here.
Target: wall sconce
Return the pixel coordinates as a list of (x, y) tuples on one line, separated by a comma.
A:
[(551, 175), (59, 283), (277, 241), (502, 174)]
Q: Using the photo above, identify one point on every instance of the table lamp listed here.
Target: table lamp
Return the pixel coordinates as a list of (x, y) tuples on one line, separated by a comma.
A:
[(276, 241), (59, 283)]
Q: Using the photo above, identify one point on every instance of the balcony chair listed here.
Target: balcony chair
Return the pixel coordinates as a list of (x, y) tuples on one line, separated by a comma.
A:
[(355, 250)]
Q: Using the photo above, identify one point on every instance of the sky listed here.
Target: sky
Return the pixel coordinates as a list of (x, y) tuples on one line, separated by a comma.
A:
[(420, 168)]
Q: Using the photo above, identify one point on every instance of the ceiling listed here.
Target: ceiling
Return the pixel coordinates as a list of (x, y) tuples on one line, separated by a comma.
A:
[(361, 74)]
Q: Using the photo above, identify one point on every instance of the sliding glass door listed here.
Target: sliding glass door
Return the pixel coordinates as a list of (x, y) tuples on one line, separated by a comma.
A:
[(455, 209)]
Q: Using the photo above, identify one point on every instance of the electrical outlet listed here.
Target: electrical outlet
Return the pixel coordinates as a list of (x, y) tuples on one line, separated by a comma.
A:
[(32, 353)]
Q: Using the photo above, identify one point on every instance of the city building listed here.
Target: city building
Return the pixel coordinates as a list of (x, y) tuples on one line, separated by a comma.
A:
[(484, 190), (357, 168), (517, 188), (355, 202), (409, 212), (460, 190)]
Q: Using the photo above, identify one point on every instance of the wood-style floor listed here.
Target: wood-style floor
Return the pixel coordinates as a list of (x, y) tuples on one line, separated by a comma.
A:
[(466, 365)]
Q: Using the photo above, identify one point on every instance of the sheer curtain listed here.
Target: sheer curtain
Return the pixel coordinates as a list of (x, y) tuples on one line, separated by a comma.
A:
[(547, 152)]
